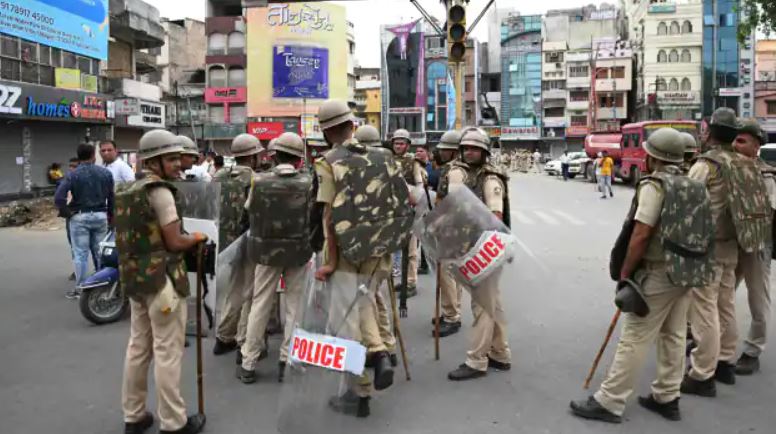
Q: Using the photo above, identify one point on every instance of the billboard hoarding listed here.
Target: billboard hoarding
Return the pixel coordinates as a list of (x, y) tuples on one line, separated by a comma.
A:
[(67, 78), (80, 26), (300, 72)]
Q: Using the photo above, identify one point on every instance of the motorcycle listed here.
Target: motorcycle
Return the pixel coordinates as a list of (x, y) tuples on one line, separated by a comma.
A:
[(102, 301)]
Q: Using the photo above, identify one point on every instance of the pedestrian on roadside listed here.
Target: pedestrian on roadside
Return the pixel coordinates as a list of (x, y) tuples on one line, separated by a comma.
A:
[(537, 161), (118, 168), (55, 174), (564, 165), (89, 211), (607, 167)]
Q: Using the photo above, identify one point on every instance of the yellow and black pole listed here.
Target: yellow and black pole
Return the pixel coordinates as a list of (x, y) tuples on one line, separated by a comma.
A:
[(456, 51)]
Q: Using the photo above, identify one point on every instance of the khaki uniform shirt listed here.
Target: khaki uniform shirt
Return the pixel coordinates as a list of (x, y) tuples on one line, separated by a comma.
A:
[(493, 189), (726, 243), (648, 209)]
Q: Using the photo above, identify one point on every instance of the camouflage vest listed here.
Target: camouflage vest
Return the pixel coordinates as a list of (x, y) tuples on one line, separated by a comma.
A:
[(685, 229), (279, 212), (747, 198), (475, 180), (407, 166), (235, 182), (371, 212), (144, 262), (444, 182)]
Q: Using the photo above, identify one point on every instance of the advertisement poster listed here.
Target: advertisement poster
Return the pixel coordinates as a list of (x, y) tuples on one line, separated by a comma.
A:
[(297, 58), (300, 72), (67, 78), (80, 26)]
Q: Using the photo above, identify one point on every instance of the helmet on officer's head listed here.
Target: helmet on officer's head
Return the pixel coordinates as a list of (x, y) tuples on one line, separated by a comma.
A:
[(290, 143), (724, 124), (368, 135), (689, 141), (752, 127), (477, 138), (666, 144), (401, 133), (158, 142), (334, 112), (478, 129), (450, 140), (189, 147), (245, 145)]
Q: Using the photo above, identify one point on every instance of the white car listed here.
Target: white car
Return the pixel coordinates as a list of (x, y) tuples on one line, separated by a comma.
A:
[(552, 168), (768, 153)]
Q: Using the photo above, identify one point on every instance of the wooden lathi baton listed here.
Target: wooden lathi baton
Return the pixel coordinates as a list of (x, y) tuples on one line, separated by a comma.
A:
[(609, 333), (397, 329), (436, 310), (200, 389)]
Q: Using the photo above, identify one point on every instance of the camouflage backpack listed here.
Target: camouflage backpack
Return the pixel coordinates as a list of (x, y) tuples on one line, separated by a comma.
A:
[(144, 262), (475, 180), (371, 212), (686, 228), (279, 212), (407, 166), (747, 198), (235, 182)]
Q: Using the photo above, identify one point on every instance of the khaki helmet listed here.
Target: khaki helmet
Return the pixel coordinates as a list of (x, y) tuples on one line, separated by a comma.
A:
[(290, 143), (334, 112), (368, 135), (477, 138), (271, 144), (689, 142), (450, 140), (158, 142), (245, 145), (480, 130), (401, 133), (752, 127), (666, 144), (189, 147), (724, 117)]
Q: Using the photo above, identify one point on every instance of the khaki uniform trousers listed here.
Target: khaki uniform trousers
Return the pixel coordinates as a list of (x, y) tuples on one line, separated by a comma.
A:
[(384, 319), (755, 270), (262, 303), (361, 323), (450, 295), (666, 323), (412, 265), (155, 336), (489, 335), (713, 322), (232, 322)]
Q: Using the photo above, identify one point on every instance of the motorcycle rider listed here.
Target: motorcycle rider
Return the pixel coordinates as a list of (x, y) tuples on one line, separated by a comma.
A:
[(151, 243)]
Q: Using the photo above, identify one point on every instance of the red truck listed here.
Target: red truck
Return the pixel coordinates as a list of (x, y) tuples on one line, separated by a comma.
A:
[(624, 147)]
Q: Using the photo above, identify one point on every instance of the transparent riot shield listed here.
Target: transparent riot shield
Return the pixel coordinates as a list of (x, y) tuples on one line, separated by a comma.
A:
[(325, 372), (234, 274), (199, 204), (470, 243)]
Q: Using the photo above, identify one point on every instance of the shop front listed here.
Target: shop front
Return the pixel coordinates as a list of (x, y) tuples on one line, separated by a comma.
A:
[(135, 116)]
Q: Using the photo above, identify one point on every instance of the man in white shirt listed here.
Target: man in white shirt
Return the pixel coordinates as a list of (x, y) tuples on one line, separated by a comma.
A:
[(537, 158), (564, 165), (118, 168)]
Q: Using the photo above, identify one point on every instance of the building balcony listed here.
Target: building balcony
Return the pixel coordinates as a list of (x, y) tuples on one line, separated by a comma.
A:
[(128, 88), (554, 94), (611, 85), (612, 113), (222, 131), (145, 63), (578, 105), (683, 40), (224, 25), (136, 21)]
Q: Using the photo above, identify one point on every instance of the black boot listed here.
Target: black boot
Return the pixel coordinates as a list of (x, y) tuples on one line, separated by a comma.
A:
[(725, 373), (350, 404), (464, 372), (281, 371), (499, 366), (669, 410), (394, 360), (747, 365), (591, 409), (140, 426), (447, 328), (194, 424), (246, 376), (223, 347), (691, 386), (383, 371)]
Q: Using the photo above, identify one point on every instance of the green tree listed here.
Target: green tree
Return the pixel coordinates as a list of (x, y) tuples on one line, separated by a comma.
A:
[(759, 15)]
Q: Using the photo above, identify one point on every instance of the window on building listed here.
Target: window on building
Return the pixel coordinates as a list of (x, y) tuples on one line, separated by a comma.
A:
[(579, 71), (30, 72), (578, 121), (618, 72), (56, 57), (10, 69), (553, 84), (10, 47), (69, 60), (686, 85), (674, 30), (662, 28), (237, 76), (46, 75), (85, 65), (236, 42), (686, 57), (686, 27), (237, 113), (579, 95), (351, 47), (216, 114), (216, 43), (673, 85), (217, 76), (662, 57), (29, 52), (554, 112), (727, 20), (602, 73), (771, 107), (660, 84), (553, 57), (673, 57), (44, 57)]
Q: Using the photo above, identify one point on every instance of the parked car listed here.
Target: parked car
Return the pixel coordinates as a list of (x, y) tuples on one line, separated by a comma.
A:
[(552, 168), (575, 163)]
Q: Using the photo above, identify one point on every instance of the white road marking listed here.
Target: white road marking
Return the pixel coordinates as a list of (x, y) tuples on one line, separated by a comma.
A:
[(521, 217), (571, 219), (531, 255), (550, 220)]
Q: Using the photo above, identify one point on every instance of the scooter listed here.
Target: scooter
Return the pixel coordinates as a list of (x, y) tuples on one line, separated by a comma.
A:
[(102, 301)]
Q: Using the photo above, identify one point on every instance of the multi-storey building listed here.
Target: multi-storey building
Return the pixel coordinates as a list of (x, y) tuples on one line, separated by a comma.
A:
[(471, 83), (521, 81), (368, 97), (436, 84), (612, 72), (765, 86)]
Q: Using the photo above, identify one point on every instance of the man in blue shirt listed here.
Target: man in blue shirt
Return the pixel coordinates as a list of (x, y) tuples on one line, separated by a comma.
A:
[(89, 210)]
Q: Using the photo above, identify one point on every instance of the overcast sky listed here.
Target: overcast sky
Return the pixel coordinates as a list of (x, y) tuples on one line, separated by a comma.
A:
[(367, 15)]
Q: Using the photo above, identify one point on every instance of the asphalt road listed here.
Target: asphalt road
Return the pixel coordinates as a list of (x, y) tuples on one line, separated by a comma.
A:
[(60, 374)]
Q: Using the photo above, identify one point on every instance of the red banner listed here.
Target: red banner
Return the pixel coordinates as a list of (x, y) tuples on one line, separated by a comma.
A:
[(577, 131), (266, 130), (225, 95)]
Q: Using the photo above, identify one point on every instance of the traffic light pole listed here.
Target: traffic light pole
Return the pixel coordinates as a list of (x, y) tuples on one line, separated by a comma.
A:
[(458, 69)]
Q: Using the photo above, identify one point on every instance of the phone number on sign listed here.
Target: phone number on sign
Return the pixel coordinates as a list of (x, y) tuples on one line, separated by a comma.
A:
[(27, 13)]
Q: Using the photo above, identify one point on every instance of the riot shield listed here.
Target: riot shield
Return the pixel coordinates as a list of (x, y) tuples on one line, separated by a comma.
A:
[(470, 242), (325, 371), (199, 204)]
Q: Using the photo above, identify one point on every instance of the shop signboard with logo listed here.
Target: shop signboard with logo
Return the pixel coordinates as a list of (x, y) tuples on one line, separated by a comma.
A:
[(221, 95), (54, 104), (67, 78), (519, 133), (266, 130), (151, 115), (577, 131), (300, 72)]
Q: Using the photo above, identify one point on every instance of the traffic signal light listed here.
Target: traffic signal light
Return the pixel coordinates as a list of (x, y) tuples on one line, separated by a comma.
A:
[(456, 31)]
